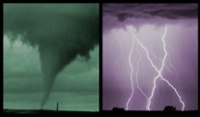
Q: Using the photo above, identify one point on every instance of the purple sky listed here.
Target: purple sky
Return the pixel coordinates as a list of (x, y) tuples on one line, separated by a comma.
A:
[(148, 22)]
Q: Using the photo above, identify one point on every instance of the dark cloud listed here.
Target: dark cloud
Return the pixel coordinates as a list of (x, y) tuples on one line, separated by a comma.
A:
[(23, 76), (61, 32), (123, 16), (175, 14), (137, 14), (148, 11)]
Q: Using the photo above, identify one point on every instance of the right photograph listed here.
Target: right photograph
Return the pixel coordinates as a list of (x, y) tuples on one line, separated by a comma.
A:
[(150, 57)]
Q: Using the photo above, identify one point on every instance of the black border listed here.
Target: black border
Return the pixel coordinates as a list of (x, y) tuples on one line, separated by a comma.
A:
[(2, 57), (101, 112), (100, 57)]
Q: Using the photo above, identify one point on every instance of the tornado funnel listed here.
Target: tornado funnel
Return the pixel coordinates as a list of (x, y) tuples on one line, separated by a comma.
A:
[(60, 31), (52, 62)]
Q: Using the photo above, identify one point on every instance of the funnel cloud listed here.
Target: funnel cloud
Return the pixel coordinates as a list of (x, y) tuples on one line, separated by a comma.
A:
[(60, 31)]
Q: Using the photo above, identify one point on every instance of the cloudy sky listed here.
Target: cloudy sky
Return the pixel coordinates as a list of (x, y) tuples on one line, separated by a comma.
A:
[(76, 87), (119, 15), (128, 74), (44, 43)]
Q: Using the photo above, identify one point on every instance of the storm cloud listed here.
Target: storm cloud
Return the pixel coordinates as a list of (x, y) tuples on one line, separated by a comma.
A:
[(60, 31), (22, 82), (134, 35), (118, 15)]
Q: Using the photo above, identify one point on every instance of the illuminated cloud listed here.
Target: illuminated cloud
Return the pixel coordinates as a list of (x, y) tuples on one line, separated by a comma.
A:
[(148, 22)]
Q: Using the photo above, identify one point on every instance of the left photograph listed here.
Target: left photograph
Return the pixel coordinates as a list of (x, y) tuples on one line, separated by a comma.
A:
[(51, 56)]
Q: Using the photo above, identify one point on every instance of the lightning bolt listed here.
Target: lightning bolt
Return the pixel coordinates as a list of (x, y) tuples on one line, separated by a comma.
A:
[(131, 76), (159, 71), (165, 64), (176, 73), (136, 75), (174, 70)]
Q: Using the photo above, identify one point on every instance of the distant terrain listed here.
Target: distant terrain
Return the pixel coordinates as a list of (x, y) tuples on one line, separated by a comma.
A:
[(47, 112)]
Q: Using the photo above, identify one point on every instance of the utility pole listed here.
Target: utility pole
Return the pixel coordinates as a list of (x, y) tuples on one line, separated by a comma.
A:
[(57, 107)]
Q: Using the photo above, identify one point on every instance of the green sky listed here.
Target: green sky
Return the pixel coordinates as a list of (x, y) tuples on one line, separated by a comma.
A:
[(57, 41), (75, 88)]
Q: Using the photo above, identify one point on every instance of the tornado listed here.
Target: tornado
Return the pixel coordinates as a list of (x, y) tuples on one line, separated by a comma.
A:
[(61, 32)]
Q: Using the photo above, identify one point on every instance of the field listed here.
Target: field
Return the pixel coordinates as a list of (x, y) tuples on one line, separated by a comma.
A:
[(48, 112)]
